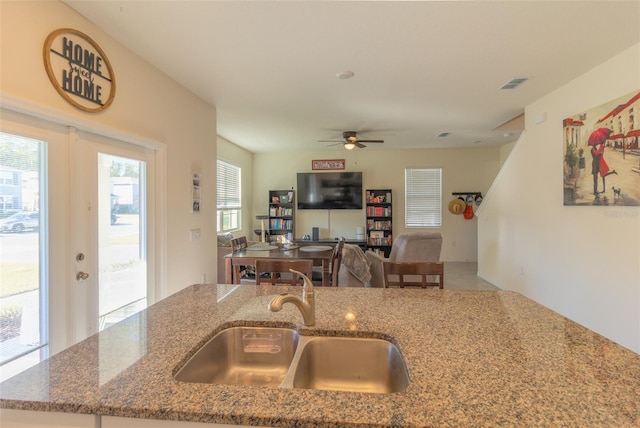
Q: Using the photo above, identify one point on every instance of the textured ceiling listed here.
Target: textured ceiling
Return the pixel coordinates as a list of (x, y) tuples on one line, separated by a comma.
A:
[(421, 68)]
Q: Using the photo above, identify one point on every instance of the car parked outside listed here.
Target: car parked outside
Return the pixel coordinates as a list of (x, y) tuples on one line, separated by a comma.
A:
[(19, 222)]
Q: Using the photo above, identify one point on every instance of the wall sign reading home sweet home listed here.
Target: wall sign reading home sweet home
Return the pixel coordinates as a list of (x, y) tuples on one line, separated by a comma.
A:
[(79, 70)]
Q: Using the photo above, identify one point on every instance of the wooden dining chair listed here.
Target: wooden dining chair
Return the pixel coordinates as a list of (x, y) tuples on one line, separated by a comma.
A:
[(279, 273), (237, 244), (334, 266), (335, 262), (395, 273)]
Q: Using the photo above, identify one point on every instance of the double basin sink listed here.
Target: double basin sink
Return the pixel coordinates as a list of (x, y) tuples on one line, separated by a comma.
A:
[(281, 358)]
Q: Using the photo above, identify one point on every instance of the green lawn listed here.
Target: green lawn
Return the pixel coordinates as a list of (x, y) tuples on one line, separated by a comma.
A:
[(18, 277)]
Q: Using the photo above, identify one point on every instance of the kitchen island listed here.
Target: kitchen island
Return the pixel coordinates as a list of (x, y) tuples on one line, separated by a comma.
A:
[(475, 358)]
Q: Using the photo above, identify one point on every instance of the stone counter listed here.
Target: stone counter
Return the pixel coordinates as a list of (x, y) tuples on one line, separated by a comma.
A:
[(475, 358)]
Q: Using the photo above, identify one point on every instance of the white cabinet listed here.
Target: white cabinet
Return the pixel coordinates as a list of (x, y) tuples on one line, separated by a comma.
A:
[(10, 418), (116, 422)]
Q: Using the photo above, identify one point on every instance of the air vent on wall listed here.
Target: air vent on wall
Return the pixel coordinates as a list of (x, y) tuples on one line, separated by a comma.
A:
[(514, 83)]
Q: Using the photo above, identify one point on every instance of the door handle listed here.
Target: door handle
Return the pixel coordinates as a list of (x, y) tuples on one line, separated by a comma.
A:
[(81, 276)]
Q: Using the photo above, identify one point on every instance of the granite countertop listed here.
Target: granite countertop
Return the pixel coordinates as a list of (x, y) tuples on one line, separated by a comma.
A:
[(475, 358)]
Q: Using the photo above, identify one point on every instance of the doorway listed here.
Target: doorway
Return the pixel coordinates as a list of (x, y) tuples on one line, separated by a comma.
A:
[(113, 268), (91, 259)]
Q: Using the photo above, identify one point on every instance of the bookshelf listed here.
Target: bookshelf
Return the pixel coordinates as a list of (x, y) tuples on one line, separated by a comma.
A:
[(379, 221), (281, 220)]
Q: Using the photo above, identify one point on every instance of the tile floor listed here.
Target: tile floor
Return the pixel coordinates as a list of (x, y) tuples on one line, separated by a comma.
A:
[(463, 276)]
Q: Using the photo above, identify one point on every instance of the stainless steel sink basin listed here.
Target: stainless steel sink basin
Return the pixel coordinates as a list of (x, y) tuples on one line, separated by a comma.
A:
[(280, 358), (350, 364), (243, 356)]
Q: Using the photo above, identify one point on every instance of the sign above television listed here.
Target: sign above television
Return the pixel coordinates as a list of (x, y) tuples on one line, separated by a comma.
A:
[(326, 164)]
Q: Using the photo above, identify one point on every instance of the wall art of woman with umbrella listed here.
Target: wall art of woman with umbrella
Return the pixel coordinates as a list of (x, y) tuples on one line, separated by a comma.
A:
[(599, 165)]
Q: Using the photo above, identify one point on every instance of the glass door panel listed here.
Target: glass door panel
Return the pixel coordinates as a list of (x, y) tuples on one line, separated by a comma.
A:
[(23, 259), (122, 249)]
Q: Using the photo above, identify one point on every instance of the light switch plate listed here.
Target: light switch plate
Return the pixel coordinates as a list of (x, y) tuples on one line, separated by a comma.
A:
[(195, 234)]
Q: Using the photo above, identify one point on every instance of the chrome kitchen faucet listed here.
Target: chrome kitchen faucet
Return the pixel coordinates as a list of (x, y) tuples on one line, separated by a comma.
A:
[(307, 304)]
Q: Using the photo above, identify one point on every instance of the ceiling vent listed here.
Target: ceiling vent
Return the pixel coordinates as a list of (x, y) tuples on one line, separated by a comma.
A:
[(514, 83), (443, 134)]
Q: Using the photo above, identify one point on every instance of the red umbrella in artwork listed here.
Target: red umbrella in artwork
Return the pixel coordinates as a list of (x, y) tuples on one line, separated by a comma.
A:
[(599, 136)]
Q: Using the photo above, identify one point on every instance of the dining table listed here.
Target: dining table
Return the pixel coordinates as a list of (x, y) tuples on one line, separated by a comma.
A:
[(320, 254)]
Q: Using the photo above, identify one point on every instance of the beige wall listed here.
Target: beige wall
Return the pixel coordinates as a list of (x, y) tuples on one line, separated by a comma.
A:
[(504, 152), (583, 262), (468, 170), (147, 104)]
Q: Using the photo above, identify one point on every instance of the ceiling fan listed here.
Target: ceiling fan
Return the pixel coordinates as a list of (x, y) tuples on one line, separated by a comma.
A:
[(351, 141)]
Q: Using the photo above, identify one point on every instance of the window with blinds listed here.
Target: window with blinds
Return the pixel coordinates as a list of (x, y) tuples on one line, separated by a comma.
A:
[(423, 197), (229, 196)]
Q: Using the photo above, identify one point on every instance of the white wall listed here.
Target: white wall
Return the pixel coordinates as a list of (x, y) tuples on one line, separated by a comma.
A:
[(583, 262), (463, 170), (147, 103)]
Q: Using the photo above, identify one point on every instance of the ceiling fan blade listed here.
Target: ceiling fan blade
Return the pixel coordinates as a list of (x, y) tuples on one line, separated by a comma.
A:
[(339, 143), (350, 137)]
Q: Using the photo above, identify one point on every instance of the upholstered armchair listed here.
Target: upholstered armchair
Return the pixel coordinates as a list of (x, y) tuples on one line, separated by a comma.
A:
[(408, 247)]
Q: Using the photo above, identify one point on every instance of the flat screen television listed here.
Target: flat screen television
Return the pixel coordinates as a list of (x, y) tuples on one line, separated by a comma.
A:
[(329, 190)]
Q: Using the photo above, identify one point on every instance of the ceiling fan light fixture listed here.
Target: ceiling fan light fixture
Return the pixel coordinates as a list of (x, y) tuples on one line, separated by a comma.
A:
[(349, 145)]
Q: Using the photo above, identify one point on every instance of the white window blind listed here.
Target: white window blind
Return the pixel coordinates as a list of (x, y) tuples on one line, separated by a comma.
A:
[(423, 197), (228, 185), (229, 211)]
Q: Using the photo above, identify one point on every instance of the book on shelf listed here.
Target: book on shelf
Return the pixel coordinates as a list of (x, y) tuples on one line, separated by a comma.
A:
[(380, 241), (378, 224), (280, 224), (277, 211), (376, 211), (378, 197)]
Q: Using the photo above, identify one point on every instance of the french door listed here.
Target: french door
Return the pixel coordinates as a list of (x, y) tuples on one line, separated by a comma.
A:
[(79, 253), (33, 219), (113, 269), (23, 294)]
